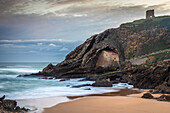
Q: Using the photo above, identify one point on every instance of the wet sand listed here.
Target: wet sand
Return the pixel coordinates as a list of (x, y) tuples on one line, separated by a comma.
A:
[(124, 101), (121, 92), (111, 104), (38, 105)]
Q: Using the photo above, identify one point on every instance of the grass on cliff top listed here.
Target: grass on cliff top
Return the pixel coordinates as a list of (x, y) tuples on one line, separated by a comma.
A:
[(150, 23), (112, 72), (155, 19)]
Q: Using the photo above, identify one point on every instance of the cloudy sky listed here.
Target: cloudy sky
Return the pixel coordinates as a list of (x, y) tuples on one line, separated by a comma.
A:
[(46, 30)]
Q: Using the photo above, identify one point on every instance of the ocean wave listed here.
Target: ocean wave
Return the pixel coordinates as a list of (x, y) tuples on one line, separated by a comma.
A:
[(4, 73), (18, 70), (1, 86), (22, 66), (55, 91)]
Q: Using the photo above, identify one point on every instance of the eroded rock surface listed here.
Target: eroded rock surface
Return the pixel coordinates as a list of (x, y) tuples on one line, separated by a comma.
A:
[(150, 77), (10, 106)]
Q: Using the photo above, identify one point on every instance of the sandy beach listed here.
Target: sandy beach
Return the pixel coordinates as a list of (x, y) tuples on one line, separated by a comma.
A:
[(37, 105), (111, 104)]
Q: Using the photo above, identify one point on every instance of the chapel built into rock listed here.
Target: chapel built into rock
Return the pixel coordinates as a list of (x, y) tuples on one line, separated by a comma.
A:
[(107, 58)]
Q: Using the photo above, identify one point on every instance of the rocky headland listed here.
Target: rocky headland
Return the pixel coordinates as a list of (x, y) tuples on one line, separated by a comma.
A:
[(135, 40), (10, 106)]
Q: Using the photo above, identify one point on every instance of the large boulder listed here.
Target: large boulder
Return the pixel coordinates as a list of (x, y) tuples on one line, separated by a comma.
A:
[(164, 98), (147, 96), (102, 83)]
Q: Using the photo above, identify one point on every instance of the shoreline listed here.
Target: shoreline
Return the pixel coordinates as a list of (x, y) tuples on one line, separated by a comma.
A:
[(120, 92), (40, 104), (37, 105), (111, 104), (117, 102), (49, 104)]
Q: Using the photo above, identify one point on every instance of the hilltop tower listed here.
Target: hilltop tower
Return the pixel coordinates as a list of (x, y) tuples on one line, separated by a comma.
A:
[(150, 13)]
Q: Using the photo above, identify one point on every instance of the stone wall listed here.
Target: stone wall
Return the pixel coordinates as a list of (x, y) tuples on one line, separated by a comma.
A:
[(106, 59), (150, 14)]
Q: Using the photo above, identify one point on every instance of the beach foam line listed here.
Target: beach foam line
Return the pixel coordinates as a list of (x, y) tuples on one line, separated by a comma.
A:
[(38, 105)]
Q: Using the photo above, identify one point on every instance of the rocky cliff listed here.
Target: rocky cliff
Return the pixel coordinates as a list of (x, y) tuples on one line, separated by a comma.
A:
[(129, 40), (153, 76)]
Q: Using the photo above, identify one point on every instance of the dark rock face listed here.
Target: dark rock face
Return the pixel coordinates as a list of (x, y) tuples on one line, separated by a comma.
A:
[(8, 106), (168, 81), (149, 77), (148, 96), (163, 88), (102, 83)]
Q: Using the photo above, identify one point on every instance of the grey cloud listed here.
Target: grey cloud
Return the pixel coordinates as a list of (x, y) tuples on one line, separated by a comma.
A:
[(75, 8), (40, 7)]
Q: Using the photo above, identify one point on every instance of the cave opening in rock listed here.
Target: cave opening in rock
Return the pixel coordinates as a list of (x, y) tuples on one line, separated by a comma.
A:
[(111, 50)]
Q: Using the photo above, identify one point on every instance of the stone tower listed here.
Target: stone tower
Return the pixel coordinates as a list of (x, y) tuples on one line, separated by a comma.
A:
[(150, 13)]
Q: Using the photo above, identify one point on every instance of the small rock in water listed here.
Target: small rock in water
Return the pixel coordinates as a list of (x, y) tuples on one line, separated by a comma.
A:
[(64, 79), (50, 78), (78, 86), (44, 78), (87, 89), (2, 98)]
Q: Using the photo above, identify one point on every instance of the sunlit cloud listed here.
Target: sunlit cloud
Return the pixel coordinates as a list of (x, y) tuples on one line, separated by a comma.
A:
[(52, 45), (64, 49)]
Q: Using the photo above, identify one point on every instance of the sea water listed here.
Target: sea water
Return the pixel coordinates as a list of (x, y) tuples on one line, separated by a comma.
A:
[(33, 87)]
